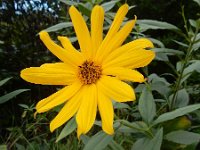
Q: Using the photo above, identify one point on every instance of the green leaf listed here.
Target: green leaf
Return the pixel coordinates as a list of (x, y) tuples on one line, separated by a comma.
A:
[(121, 105), (73, 39), (161, 88), (131, 127), (176, 113), (149, 144), (180, 43), (69, 128), (196, 45), (59, 26), (84, 138), (24, 106), (1, 42), (69, 2), (195, 66), (162, 53), (3, 147), (159, 84), (162, 57), (98, 142), (183, 137), (147, 24), (193, 23), (168, 51), (197, 1), (179, 65), (84, 9), (115, 146), (147, 107), (182, 98), (109, 5), (2, 82), (191, 147), (157, 42), (11, 95), (155, 78), (20, 147)]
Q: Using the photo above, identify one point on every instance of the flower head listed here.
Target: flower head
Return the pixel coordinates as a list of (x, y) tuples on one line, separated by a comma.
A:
[(93, 76)]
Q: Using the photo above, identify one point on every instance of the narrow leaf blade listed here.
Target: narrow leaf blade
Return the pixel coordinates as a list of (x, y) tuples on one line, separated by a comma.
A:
[(176, 113), (183, 137), (2, 82), (59, 26), (11, 95), (69, 128)]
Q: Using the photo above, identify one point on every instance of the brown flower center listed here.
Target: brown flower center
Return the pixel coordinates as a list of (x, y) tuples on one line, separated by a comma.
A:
[(89, 72)]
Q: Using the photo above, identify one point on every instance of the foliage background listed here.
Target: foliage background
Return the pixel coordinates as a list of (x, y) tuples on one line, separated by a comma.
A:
[(20, 47)]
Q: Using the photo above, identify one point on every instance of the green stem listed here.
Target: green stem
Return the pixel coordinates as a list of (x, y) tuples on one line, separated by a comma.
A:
[(145, 131), (187, 58)]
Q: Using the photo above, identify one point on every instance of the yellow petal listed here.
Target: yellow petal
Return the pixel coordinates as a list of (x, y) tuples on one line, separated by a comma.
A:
[(59, 65), (82, 32), (127, 48), (72, 58), (66, 43), (106, 112), (57, 74), (124, 74), (116, 89), (119, 17), (87, 112), (69, 109), (135, 59), (121, 13), (58, 98), (116, 41), (97, 19)]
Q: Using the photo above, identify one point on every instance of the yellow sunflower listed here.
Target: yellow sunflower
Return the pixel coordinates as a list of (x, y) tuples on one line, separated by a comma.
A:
[(93, 76)]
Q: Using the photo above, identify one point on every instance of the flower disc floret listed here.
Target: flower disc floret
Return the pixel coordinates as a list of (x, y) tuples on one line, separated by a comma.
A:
[(89, 72)]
